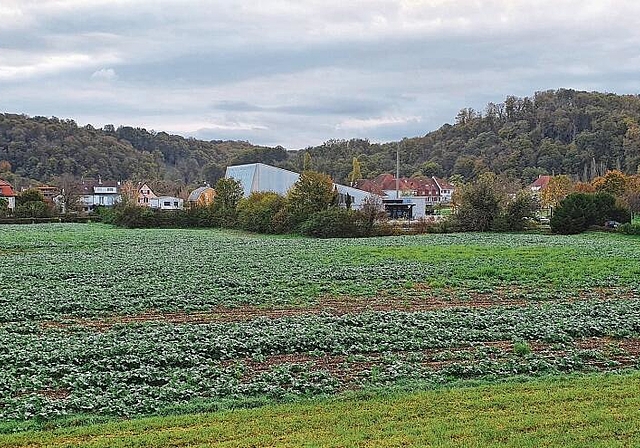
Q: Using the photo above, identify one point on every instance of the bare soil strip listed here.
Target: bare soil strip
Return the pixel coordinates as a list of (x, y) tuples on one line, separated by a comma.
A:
[(418, 299), (612, 354)]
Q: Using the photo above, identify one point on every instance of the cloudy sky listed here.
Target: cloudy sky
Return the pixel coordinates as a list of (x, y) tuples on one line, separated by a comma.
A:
[(297, 73)]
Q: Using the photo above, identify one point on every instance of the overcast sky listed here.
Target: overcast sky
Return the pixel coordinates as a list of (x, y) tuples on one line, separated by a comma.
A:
[(298, 73)]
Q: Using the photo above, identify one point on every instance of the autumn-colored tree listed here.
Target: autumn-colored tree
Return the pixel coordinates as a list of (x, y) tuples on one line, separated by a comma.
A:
[(356, 173), (129, 193), (613, 182), (584, 187), (631, 195), (556, 190), (5, 166)]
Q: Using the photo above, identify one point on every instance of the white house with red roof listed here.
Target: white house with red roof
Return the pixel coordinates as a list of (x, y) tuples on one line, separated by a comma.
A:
[(422, 192), (7, 194), (540, 184)]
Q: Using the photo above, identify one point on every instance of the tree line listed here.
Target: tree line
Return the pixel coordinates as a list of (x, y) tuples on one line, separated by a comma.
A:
[(579, 134)]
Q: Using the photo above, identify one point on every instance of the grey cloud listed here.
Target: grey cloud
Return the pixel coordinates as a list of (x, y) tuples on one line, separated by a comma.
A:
[(286, 73), (315, 106)]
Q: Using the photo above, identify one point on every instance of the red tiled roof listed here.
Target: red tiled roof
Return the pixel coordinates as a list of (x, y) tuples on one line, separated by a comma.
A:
[(369, 186), (420, 186), (541, 182), (444, 184), (6, 190)]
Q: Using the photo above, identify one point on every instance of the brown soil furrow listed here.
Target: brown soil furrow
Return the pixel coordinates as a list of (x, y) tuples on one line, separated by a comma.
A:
[(337, 306)]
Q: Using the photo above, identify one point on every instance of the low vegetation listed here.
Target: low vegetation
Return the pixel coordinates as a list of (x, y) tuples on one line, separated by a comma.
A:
[(102, 322), (595, 410)]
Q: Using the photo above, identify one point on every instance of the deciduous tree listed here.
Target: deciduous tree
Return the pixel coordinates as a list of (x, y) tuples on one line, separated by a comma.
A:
[(556, 190)]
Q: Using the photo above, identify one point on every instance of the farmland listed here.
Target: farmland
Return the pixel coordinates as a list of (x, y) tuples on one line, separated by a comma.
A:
[(112, 323)]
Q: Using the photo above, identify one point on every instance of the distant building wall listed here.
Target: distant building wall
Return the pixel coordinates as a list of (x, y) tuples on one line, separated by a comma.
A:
[(166, 203), (257, 177)]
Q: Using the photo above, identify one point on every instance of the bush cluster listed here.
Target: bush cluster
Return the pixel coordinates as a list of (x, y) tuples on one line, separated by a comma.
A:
[(629, 229), (579, 211), (485, 205), (309, 208)]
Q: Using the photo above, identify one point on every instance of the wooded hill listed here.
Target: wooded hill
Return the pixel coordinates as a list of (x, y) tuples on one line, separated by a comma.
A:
[(581, 134)]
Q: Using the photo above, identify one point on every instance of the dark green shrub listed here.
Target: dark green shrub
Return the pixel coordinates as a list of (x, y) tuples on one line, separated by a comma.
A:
[(256, 213), (195, 217), (32, 209), (515, 215), (5, 212), (133, 216), (334, 223), (578, 211), (629, 229)]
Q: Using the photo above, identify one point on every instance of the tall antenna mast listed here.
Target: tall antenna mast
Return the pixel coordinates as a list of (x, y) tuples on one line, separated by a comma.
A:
[(397, 170)]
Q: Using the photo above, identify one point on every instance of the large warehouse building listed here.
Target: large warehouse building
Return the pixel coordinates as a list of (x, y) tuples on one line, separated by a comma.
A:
[(256, 177)]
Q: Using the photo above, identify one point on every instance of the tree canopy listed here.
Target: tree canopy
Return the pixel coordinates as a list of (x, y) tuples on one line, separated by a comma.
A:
[(579, 134)]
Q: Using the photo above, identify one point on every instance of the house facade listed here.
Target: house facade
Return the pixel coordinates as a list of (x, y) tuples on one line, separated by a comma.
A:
[(145, 195), (412, 197), (98, 193), (8, 194)]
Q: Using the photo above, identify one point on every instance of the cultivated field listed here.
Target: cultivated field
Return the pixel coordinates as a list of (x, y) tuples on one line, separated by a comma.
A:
[(102, 322)]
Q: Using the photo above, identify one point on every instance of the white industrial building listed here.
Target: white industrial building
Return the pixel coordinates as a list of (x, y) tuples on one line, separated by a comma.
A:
[(257, 177)]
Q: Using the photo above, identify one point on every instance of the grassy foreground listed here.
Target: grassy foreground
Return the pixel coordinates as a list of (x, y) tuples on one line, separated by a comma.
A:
[(595, 410)]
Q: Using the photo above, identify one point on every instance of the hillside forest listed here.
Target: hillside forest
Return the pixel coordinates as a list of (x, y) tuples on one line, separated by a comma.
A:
[(579, 134)]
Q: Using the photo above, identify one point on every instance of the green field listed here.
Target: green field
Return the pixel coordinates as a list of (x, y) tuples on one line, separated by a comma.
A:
[(594, 411), (100, 323)]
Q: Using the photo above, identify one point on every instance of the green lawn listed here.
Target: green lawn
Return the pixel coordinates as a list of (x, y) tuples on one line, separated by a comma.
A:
[(596, 410)]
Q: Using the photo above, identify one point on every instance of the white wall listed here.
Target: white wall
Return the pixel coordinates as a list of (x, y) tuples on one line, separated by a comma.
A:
[(166, 203)]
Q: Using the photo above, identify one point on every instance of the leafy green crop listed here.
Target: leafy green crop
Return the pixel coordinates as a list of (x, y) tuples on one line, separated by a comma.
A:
[(74, 338)]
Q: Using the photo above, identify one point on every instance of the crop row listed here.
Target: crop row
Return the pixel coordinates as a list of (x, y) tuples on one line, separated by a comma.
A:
[(92, 271), (142, 368)]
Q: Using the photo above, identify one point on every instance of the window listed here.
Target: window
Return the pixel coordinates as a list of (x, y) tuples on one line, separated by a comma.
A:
[(167, 204), (175, 204)]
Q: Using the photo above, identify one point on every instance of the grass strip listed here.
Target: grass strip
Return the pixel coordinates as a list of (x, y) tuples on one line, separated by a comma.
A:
[(593, 410)]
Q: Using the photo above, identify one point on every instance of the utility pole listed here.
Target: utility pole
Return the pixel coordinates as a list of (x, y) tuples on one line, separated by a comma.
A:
[(398, 170)]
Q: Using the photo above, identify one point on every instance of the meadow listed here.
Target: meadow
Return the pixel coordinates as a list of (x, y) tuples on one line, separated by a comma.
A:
[(100, 323)]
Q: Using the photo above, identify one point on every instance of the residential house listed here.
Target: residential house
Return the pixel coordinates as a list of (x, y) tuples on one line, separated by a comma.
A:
[(540, 184), (99, 193), (8, 194), (201, 197), (49, 192), (411, 197), (145, 195)]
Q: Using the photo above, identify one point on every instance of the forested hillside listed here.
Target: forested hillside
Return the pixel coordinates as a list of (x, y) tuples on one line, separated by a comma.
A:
[(563, 132), (556, 132), (44, 149)]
